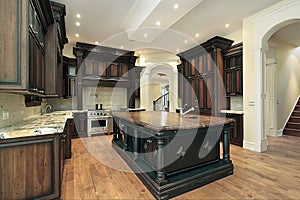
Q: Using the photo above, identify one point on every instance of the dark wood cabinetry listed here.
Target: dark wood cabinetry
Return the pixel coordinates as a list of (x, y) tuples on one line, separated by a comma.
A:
[(237, 132), (80, 120), (233, 70), (69, 131), (69, 77), (201, 76), (31, 167), (36, 27), (105, 66)]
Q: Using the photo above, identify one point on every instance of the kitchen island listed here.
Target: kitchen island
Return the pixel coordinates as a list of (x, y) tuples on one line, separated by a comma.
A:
[(173, 154), (32, 155)]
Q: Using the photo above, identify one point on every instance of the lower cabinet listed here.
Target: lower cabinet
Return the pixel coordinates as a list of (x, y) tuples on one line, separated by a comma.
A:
[(237, 134), (80, 120), (31, 167), (69, 132)]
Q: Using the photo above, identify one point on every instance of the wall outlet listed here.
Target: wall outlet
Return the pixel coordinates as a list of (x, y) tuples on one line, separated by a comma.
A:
[(5, 115)]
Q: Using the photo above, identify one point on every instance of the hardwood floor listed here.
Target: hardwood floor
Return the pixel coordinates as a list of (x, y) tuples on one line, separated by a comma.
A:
[(270, 175)]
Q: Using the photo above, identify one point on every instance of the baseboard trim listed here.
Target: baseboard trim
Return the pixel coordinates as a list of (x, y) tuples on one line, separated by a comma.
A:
[(258, 147), (249, 145)]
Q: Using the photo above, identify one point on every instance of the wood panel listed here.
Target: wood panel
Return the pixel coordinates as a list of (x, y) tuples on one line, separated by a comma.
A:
[(269, 175), (10, 72), (29, 169)]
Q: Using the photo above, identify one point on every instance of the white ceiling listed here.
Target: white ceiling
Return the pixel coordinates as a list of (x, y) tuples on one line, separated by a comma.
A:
[(106, 21)]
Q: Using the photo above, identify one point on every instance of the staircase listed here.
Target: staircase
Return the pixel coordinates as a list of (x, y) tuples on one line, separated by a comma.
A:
[(161, 103), (293, 125)]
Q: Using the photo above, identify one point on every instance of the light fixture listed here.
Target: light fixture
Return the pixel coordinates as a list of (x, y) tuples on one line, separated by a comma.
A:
[(77, 35), (176, 6), (77, 23), (177, 50), (122, 47), (197, 34), (158, 23), (185, 41), (145, 35), (96, 42), (226, 25), (78, 16)]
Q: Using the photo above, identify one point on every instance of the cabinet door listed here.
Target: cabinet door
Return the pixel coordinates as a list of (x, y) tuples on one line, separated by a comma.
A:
[(114, 70), (88, 67), (101, 69), (124, 71), (180, 82), (71, 86), (201, 63), (201, 92), (239, 81), (209, 91), (209, 63), (237, 134), (12, 45), (228, 81), (193, 89), (193, 67)]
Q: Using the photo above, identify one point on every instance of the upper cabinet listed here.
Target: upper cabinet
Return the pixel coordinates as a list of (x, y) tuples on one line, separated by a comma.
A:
[(69, 77), (233, 70), (107, 67), (201, 76), (29, 53)]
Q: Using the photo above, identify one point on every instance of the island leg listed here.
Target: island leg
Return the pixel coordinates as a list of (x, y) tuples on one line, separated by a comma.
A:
[(161, 177), (136, 143), (226, 142)]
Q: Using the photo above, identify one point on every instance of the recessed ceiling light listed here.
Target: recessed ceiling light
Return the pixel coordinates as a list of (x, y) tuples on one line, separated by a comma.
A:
[(77, 35), (158, 23), (77, 23), (96, 42), (227, 25), (122, 47), (185, 41), (78, 15), (197, 34), (177, 50), (145, 35), (176, 6)]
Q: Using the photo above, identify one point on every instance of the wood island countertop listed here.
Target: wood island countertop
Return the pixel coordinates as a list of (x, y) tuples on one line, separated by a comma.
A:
[(161, 120)]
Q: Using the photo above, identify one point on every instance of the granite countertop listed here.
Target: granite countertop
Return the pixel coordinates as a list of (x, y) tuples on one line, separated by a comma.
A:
[(237, 112), (50, 123), (160, 120)]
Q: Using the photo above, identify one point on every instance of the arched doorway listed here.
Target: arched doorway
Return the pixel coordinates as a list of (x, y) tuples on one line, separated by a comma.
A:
[(154, 78), (257, 31)]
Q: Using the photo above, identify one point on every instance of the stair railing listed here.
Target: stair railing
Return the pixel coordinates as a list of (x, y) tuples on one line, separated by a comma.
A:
[(161, 102)]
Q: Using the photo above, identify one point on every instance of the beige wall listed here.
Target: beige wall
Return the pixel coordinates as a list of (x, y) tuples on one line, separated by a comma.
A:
[(58, 104), (14, 104), (236, 36), (288, 79)]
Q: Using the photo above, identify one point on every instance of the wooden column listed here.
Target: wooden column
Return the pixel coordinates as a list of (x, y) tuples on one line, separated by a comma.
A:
[(161, 177), (226, 142)]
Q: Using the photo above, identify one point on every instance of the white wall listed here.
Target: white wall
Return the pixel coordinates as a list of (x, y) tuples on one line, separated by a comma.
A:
[(288, 79), (257, 30)]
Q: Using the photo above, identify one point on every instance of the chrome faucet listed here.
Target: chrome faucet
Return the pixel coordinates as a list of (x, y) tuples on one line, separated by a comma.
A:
[(186, 112)]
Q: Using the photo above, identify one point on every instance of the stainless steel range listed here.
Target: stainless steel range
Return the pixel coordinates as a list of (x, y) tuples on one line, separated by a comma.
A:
[(99, 121)]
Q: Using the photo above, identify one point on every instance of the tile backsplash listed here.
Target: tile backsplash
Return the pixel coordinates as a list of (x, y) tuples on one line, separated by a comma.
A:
[(14, 110), (109, 97), (236, 103)]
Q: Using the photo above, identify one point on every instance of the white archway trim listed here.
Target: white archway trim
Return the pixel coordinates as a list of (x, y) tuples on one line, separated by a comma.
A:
[(257, 31)]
